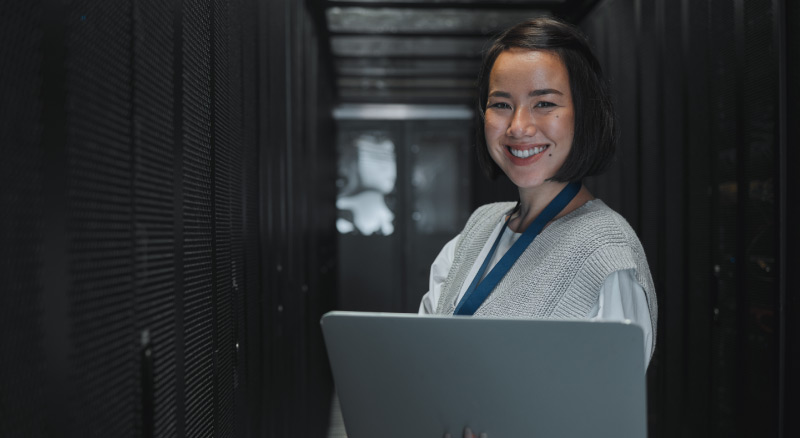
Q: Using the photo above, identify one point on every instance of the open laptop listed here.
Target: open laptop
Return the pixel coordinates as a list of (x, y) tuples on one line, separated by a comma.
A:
[(412, 376)]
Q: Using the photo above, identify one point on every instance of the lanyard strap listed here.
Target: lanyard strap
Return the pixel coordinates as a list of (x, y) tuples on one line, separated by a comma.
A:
[(479, 290)]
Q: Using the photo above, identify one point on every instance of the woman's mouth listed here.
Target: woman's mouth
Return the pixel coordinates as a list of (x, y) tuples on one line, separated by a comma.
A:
[(525, 153)]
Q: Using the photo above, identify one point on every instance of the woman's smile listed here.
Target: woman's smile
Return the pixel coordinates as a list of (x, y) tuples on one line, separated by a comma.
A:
[(522, 152)]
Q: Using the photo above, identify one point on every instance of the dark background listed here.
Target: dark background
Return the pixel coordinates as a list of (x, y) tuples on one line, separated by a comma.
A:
[(168, 208)]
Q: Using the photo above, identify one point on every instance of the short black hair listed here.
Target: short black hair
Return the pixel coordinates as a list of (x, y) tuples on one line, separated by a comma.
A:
[(595, 137)]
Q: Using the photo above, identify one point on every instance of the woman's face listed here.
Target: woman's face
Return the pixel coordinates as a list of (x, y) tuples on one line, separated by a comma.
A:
[(530, 119)]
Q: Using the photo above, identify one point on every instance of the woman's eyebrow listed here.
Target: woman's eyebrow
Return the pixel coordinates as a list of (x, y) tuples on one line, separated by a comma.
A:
[(535, 93), (500, 94)]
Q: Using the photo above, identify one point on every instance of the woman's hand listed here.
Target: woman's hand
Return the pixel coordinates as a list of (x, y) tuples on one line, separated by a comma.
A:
[(468, 434)]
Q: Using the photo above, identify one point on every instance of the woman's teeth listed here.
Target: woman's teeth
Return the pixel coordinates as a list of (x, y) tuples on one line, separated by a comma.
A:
[(527, 152)]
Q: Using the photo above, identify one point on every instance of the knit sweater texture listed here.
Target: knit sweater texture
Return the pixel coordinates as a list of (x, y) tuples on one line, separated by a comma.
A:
[(560, 274)]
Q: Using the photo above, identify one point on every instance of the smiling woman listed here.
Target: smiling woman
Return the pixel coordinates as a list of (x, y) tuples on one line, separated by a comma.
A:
[(558, 253)]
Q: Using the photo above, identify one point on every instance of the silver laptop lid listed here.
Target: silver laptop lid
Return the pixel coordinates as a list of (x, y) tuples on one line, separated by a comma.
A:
[(403, 375)]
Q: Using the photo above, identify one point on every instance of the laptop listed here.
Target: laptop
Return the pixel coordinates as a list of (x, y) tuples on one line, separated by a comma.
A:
[(415, 376)]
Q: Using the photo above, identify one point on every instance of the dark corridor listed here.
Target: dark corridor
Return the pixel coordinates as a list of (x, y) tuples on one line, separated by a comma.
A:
[(171, 172)]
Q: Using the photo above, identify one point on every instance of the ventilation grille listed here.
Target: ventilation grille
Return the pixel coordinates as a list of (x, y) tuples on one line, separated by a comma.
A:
[(100, 216), (130, 172), (223, 150), (238, 178), (197, 221), (154, 189)]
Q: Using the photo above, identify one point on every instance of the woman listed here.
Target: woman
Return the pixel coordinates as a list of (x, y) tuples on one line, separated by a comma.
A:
[(559, 253)]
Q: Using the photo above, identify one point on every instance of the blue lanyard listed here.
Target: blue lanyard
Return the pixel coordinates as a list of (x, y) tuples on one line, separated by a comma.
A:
[(479, 290)]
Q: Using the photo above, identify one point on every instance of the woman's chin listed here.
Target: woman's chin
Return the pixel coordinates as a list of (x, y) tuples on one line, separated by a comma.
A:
[(528, 182)]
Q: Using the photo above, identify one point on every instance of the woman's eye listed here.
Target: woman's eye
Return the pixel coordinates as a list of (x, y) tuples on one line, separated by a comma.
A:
[(545, 105), (499, 105)]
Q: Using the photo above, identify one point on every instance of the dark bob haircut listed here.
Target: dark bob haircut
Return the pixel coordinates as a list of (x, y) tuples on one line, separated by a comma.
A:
[(595, 132)]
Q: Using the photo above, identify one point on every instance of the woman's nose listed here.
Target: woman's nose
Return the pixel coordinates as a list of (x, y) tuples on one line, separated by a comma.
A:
[(521, 124)]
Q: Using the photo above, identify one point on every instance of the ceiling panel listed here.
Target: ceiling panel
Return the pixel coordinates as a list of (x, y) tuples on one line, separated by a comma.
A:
[(385, 46), (406, 96), (371, 67), (423, 21), (402, 112), (419, 51), (405, 83)]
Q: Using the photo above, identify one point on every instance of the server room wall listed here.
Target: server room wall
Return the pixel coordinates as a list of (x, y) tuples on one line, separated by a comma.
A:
[(167, 219), (790, 215), (703, 175)]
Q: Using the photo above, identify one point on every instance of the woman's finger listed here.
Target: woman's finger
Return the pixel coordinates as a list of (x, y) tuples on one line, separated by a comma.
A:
[(468, 433)]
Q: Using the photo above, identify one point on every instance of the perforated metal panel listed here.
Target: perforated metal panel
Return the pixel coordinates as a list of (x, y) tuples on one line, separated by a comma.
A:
[(223, 148), (130, 254), (153, 208), (702, 111), (198, 222), (100, 217), (237, 407)]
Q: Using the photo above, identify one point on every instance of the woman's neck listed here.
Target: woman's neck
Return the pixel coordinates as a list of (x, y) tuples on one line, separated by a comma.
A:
[(533, 201)]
